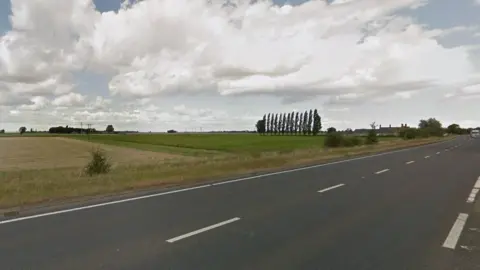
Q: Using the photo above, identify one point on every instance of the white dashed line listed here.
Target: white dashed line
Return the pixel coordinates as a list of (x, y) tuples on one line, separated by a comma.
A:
[(456, 231), (438, 153), (382, 171), (330, 188), (202, 230), (473, 194), (410, 162), (427, 156)]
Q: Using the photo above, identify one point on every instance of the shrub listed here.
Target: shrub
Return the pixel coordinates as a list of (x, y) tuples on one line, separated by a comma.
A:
[(351, 141), (408, 133), (372, 137), (336, 139), (333, 139), (99, 163)]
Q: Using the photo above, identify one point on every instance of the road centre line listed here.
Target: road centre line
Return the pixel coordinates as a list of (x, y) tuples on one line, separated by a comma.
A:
[(410, 162), (330, 188), (131, 199), (427, 156), (382, 171), (456, 231), (475, 190), (203, 230), (438, 153)]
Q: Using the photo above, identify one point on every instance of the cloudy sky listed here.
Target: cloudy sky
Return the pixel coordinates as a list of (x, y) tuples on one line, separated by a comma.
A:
[(217, 64)]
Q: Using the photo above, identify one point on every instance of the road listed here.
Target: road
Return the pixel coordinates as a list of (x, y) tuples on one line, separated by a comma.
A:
[(400, 210)]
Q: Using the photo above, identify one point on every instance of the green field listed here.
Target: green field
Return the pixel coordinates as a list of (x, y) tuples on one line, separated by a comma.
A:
[(204, 144), (228, 143)]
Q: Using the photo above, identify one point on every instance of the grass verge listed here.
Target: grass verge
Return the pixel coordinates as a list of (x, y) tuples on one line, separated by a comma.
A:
[(23, 188)]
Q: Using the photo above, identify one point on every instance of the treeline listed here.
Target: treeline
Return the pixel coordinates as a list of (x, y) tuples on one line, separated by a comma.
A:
[(293, 123), (70, 130)]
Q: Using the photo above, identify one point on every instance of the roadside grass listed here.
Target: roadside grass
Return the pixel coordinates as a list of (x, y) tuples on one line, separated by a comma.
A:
[(26, 187)]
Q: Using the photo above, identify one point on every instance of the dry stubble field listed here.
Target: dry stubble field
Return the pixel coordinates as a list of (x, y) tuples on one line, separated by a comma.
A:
[(40, 169)]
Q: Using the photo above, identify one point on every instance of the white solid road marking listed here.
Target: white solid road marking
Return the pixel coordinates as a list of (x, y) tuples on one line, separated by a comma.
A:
[(410, 162), (209, 185), (100, 204), (427, 156), (473, 194), (382, 171), (456, 231), (330, 188), (203, 230)]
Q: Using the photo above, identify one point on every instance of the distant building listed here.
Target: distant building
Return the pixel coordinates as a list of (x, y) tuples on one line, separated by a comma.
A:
[(380, 130)]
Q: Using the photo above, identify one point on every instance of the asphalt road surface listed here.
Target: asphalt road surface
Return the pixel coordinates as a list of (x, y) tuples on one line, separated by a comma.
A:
[(401, 210)]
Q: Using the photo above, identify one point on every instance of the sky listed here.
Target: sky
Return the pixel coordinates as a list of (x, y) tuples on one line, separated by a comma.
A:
[(193, 65)]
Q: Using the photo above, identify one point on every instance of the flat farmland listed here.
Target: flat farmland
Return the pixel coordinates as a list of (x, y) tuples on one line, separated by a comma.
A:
[(48, 169), (26, 153), (209, 143)]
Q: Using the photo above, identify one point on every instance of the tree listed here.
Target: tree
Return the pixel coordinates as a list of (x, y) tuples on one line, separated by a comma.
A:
[(305, 123), (2, 131), (272, 124), (289, 123), (430, 127), (372, 137), (276, 124), (310, 122), (300, 124), (260, 126), (317, 123), (292, 122), (22, 130), (331, 130), (430, 123), (267, 124), (454, 129), (297, 119), (264, 124), (109, 129)]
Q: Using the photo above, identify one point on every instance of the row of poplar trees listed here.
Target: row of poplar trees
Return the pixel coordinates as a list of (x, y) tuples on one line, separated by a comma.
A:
[(294, 123)]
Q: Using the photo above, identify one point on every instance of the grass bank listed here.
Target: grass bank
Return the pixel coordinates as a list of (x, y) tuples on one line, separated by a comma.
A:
[(26, 187)]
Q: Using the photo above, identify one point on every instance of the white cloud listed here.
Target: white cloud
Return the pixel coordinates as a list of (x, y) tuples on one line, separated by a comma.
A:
[(348, 52), (37, 103), (69, 100)]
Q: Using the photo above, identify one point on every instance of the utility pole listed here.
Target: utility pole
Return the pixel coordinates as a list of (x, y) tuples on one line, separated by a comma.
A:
[(81, 127)]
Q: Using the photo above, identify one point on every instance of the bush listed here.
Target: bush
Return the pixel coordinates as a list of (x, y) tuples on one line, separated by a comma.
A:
[(99, 163), (351, 141), (372, 137), (408, 133), (333, 139), (336, 139)]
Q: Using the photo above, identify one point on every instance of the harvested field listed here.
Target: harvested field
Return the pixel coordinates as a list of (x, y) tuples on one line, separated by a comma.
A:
[(28, 153)]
